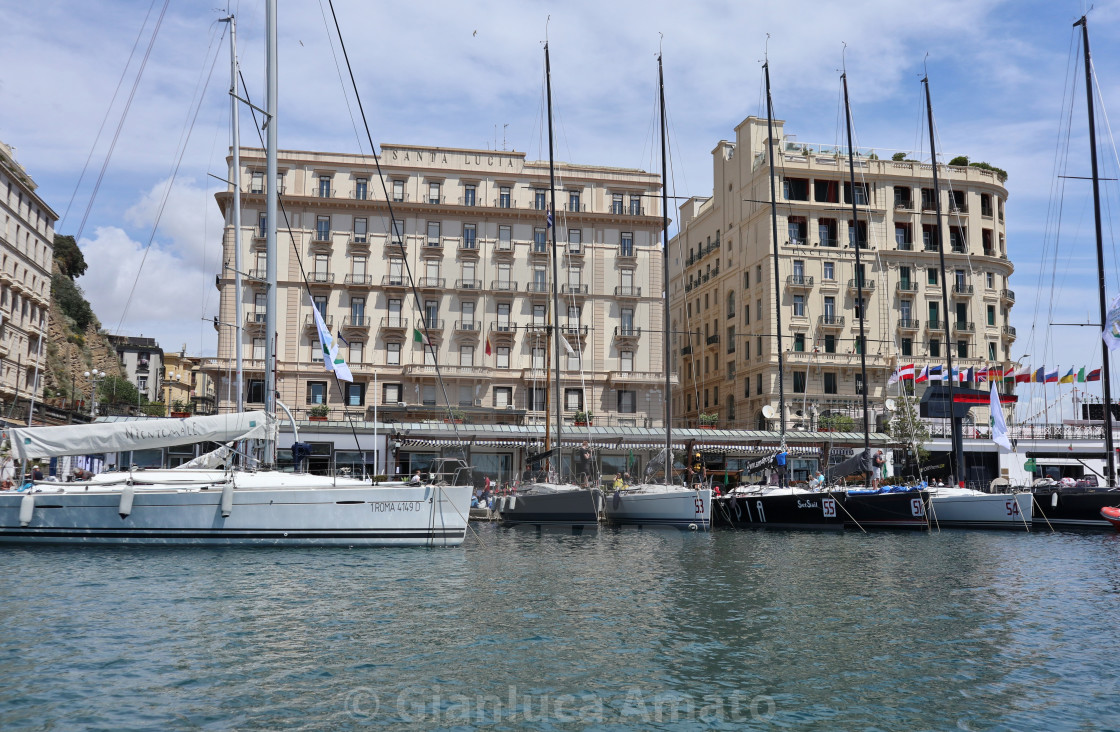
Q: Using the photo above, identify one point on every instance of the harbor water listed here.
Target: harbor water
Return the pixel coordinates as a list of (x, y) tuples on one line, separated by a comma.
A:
[(609, 629)]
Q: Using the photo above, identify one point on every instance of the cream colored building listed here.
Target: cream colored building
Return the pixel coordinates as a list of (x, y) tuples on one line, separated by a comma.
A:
[(26, 251), (722, 286), (471, 244)]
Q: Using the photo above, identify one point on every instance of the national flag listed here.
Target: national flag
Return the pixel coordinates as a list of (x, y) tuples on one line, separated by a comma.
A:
[(1039, 377), (935, 373), (418, 337), (1024, 376), (331, 360), (1094, 375), (982, 375), (488, 351), (969, 374), (1067, 379), (906, 373), (1052, 377), (1081, 376), (548, 218), (954, 375), (1111, 333), (568, 347), (999, 425), (894, 378), (923, 375)]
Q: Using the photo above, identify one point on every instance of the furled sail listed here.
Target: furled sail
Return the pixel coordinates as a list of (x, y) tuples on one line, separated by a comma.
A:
[(858, 463), (138, 434)]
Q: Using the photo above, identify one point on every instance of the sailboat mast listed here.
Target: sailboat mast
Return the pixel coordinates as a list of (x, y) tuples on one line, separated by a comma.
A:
[(665, 281), (270, 219), (555, 264), (777, 275), (854, 232), (954, 423), (1106, 377), (235, 143)]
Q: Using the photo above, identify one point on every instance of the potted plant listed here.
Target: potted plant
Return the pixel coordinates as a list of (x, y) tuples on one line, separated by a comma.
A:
[(583, 419), (179, 409), (455, 415), (319, 413), (708, 420)]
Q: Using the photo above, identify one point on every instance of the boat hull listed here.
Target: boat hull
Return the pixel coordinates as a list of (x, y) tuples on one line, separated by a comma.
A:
[(901, 510), (681, 508), (789, 511), (330, 516), (987, 511), (1073, 509), (569, 508)]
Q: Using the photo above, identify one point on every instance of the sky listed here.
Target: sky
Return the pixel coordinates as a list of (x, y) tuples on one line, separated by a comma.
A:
[(472, 75)]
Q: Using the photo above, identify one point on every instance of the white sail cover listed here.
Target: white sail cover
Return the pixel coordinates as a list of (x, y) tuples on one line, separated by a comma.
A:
[(139, 434)]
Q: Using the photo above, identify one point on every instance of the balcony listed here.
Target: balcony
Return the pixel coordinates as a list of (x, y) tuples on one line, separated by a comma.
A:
[(309, 321), (831, 241), (567, 289), (1007, 296), (539, 288), (573, 329), (320, 278), (503, 286), (962, 289), (959, 249), (907, 286), (908, 324), (468, 326), (254, 321), (432, 244), (964, 327), (627, 291), (903, 205), (935, 325), (320, 243), (452, 372), (394, 323), (503, 326), (712, 340), (432, 283), (468, 284), (799, 282), (394, 281), (830, 322), (538, 250), (686, 350), (358, 281), (435, 325), (359, 242), (651, 378), (1008, 333), (468, 246), (854, 285), (627, 331), (356, 322)]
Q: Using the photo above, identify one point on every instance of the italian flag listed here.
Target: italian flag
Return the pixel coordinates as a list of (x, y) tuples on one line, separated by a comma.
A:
[(418, 337)]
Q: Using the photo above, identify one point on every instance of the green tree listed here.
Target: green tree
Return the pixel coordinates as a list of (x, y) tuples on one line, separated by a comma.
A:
[(70, 260), (117, 391), (961, 160), (72, 301), (836, 423), (908, 430), (987, 166), (898, 157)]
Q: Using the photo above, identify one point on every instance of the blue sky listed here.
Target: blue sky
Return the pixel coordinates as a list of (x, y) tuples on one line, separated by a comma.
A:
[(456, 74)]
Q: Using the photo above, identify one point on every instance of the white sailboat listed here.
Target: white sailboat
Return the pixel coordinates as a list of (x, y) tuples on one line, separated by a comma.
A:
[(202, 506), (662, 503)]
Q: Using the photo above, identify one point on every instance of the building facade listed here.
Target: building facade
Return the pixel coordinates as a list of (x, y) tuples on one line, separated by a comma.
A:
[(723, 281), (466, 266), (185, 388), (26, 254), (142, 361)]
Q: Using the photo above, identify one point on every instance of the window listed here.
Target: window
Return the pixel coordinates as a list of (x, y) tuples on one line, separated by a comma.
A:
[(393, 354), (470, 193), (469, 282), (627, 401), (798, 382), (316, 392), (826, 191), (503, 396), (626, 247), (262, 228), (861, 228), (616, 203), (991, 350), (503, 316), (830, 382), (934, 310), (798, 306), (935, 347), (428, 395), (573, 400), (505, 238), (324, 186), (635, 204), (859, 384), (991, 315), (758, 384), (257, 186), (398, 191), (361, 188), (320, 304), (539, 311), (539, 200), (626, 361), (356, 349), (795, 229), (322, 228), (433, 233), (503, 197), (470, 236), (575, 240), (398, 232), (390, 393), (466, 355), (433, 193), (826, 231), (962, 349), (258, 349), (394, 307), (830, 343), (731, 339), (256, 391), (466, 314), (829, 309), (502, 359), (901, 197), (540, 239), (795, 189), (355, 394), (357, 310), (537, 396), (573, 201), (990, 280), (360, 229), (861, 193), (747, 314), (907, 347), (860, 306), (538, 357), (902, 237), (799, 342), (316, 351), (931, 276)]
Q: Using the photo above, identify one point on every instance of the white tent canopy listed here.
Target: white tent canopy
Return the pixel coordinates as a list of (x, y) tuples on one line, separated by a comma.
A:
[(140, 434)]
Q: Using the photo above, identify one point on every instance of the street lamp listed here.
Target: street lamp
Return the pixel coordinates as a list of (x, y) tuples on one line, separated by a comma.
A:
[(94, 376)]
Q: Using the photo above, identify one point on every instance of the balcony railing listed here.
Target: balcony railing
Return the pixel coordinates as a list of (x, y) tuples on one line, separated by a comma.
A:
[(961, 289), (356, 321), (355, 280), (435, 324), (309, 321), (866, 284), (935, 324), (503, 326), (1008, 295), (686, 350), (468, 284), (627, 291), (713, 339), (908, 324), (573, 329), (503, 285), (254, 319), (468, 326), (393, 281), (567, 289), (321, 277), (831, 241), (799, 281), (908, 286), (831, 321), (962, 326), (431, 283), (394, 322), (537, 287), (624, 331), (1009, 332)]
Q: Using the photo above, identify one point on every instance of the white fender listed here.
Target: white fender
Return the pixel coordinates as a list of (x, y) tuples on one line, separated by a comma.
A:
[(127, 494), (227, 499), (512, 502), (26, 509), (1053, 500)]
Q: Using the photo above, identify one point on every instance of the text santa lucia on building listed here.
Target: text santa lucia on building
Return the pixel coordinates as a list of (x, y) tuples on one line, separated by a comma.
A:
[(453, 158)]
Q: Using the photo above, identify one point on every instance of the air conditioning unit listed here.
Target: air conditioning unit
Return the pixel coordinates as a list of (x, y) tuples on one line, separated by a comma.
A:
[(478, 402), (509, 406), (402, 404)]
